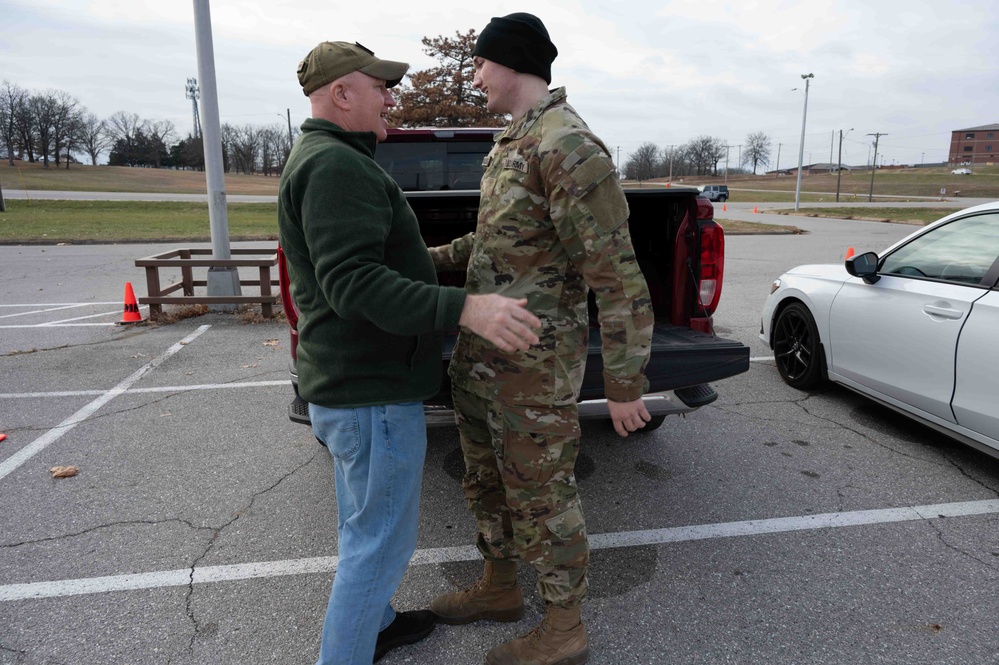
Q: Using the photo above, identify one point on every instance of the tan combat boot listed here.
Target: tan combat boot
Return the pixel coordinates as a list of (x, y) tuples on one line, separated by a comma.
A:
[(496, 596), (559, 640)]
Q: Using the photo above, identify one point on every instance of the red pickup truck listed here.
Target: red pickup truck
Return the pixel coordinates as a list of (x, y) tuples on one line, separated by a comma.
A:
[(679, 247)]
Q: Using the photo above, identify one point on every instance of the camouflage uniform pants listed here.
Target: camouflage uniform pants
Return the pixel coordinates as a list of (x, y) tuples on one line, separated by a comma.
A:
[(519, 484)]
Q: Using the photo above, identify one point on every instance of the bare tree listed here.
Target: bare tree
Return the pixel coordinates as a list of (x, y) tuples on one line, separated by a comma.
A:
[(43, 110), (443, 96), (65, 122), (124, 129), (13, 103), (757, 150), (94, 136), (644, 163), (160, 131), (272, 140)]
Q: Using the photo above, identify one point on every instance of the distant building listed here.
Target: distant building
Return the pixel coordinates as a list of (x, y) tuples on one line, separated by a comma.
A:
[(974, 145)]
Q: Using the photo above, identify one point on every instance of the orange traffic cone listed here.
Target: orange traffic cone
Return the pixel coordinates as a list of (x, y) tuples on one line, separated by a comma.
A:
[(724, 207), (755, 209), (849, 252), (131, 313)]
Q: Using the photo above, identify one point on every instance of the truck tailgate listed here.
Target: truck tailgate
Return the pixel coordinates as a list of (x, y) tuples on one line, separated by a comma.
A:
[(681, 357)]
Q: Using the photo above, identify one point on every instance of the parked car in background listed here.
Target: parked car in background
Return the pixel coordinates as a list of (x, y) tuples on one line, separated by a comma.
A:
[(715, 192), (961, 171), (914, 328)]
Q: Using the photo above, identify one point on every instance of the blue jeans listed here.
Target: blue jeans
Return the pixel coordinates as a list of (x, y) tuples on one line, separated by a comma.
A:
[(378, 454)]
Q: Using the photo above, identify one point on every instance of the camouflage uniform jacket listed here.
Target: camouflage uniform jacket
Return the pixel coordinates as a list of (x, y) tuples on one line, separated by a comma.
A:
[(553, 222)]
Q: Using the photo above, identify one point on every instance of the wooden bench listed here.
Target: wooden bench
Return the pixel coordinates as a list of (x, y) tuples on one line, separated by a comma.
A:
[(263, 258)]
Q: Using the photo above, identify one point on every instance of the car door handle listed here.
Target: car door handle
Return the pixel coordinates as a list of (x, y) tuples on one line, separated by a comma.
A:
[(943, 312)]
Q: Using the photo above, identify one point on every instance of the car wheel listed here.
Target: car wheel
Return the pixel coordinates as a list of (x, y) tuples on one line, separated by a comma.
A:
[(723, 199), (797, 349)]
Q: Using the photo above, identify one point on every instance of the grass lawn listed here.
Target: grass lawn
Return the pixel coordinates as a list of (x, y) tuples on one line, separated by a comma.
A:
[(136, 221), (129, 221), (917, 216), (83, 178), (734, 227)]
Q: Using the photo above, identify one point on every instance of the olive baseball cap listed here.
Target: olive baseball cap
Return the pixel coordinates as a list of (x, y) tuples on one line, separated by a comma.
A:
[(331, 60)]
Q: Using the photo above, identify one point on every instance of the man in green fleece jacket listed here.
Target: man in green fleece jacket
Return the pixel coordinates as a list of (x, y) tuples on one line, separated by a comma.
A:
[(369, 338)]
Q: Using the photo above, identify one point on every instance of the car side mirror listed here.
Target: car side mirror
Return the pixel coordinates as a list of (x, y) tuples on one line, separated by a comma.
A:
[(864, 266)]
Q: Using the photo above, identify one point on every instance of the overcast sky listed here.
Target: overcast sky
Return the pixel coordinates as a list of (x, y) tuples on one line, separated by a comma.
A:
[(636, 71)]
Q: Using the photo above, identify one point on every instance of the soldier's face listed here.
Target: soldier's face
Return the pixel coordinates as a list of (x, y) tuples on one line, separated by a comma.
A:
[(496, 81)]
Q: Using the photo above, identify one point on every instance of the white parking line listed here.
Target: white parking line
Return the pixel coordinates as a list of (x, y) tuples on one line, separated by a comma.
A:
[(89, 316), (54, 434), (154, 389), (328, 564)]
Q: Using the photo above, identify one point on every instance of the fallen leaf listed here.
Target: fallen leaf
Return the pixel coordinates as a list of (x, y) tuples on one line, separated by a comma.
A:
[(183, 343), (139, 355), (271, 342), (63, 471)]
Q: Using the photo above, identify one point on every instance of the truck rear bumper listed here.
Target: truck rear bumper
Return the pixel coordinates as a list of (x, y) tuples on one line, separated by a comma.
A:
[(659, 404)]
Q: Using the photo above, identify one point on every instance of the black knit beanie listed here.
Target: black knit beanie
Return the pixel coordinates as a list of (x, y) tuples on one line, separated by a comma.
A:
[(518, 41)]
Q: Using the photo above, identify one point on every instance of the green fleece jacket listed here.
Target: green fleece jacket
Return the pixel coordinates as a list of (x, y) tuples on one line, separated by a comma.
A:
[(371, 308)]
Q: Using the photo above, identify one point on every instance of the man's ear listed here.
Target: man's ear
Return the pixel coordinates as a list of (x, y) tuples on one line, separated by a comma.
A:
[(339, 94)]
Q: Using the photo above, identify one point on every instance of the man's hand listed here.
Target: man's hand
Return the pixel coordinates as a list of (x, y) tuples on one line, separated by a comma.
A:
[(628, 416), (505, 322)]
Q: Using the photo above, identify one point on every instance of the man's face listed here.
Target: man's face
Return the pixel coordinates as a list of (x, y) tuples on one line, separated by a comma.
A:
[(370, 101), (496, 81)]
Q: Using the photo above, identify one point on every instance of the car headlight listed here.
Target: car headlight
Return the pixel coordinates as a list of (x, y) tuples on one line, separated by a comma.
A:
[(775, 285)]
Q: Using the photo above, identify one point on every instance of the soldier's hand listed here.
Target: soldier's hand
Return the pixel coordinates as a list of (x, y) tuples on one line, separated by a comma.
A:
[(505, 322), (628, 416)]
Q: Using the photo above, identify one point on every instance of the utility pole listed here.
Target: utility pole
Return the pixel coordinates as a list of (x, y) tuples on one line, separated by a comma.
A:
[(839, 162), (832, 137), (671, 163), (292, 140), (777, 173), (726, 163), (801, 147), (874, 166), (740, 155)]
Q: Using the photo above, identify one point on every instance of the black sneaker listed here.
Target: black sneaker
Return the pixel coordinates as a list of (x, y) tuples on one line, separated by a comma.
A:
[(407, 628)]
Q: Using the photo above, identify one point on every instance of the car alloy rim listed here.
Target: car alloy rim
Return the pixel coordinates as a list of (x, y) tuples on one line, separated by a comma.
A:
[(793, 349)]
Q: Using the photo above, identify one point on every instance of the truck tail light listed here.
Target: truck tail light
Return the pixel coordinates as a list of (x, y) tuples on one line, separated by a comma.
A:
[(287, 302), (712, 266)]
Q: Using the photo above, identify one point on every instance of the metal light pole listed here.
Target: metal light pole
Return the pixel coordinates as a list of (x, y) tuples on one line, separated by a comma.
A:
[(726, 163), (874, 164), (222, 281), (801, 148), (839, 161)]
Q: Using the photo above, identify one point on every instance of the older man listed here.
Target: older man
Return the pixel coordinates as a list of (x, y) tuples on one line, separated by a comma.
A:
[(369, 349), (553, 224)]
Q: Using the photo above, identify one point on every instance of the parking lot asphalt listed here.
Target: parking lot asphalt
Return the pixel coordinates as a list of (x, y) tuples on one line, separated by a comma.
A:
[(771, 526)]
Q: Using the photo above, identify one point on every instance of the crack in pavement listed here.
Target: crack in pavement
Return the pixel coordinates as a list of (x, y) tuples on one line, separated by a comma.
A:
[(871, 439), (19, 654), (105, 526), (127, 334), (940, 537), (211, 543), (980, 483)]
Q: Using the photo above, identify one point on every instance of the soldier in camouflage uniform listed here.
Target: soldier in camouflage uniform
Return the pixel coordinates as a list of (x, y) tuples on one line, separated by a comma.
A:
[(552, 225)]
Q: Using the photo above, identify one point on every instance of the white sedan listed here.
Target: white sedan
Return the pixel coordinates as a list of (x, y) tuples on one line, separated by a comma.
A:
[(916, 328)]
